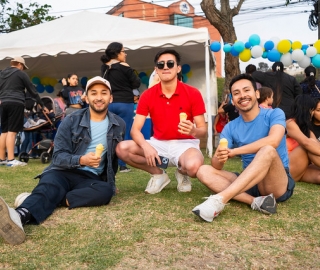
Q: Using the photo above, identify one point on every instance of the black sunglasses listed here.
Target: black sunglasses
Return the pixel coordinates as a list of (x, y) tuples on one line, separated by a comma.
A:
[(170, 64)]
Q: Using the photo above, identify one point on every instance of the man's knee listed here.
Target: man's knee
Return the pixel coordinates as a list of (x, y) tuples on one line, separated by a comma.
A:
[(267, 151), (203, 171), (121, 148)]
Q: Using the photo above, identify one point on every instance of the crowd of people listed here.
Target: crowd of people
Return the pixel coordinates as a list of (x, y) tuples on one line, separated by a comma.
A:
[(267, 118)]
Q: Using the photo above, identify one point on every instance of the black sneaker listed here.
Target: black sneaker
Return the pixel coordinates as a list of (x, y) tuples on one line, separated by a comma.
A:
[(124, 169), (265, 204)]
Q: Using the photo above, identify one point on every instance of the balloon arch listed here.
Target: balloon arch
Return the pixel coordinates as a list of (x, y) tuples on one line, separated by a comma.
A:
[(274, 50)]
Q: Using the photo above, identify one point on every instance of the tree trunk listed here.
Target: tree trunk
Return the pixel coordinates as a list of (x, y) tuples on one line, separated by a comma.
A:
[(223, 22)]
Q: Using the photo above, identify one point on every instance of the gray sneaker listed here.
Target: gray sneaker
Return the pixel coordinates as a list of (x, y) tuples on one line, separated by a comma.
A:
[(3, 162), (184, 183), (265, 204), (11, 228), (157, 182), (210, 208)]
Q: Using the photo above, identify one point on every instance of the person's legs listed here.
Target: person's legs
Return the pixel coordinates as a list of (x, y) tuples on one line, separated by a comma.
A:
[(3, 138), (311, 175), (10, 143), (298, 163)]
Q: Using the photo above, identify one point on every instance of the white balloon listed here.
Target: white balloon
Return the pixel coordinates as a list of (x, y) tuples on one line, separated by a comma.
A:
[(311, 51), (262, 42), (305, 62), (286, 59), (256, 51), (297, 55)]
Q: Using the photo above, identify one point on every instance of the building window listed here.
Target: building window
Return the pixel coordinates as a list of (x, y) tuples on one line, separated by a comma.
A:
[(181, 20), (121, 15)]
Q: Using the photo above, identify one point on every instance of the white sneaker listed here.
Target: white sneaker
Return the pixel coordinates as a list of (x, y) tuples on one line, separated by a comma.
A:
[(157, 183), (184, 183), (3, 162), (11, 228), (265, 204), (20, 199), (14, 163), (210, 208)]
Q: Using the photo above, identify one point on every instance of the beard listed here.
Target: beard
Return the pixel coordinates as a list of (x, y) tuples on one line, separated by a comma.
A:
[(101, 109), (249, 108)]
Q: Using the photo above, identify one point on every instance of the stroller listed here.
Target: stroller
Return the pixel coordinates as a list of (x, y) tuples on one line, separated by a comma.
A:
[(44, 124)]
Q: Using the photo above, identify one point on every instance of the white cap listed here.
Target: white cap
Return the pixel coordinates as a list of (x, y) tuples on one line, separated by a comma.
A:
[(96, 80), (20, 60)]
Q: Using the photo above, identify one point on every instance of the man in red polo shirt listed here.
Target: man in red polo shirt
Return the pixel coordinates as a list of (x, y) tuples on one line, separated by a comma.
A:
[(176, 142)]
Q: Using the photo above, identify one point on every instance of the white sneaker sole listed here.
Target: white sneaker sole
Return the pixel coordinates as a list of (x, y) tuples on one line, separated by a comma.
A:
[(9, 230)]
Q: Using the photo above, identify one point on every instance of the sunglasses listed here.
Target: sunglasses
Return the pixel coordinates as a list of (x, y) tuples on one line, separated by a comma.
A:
[(170, 64)]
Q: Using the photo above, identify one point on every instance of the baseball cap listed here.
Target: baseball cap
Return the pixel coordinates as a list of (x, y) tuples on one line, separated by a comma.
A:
[(96, 80), (19, 59)]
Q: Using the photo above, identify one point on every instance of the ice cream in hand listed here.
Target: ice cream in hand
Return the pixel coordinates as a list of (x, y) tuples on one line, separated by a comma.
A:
[(99, 150), (223, 143), (183, 116)]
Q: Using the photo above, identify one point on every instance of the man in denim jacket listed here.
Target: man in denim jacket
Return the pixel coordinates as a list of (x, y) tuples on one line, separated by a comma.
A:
[(77, 176)]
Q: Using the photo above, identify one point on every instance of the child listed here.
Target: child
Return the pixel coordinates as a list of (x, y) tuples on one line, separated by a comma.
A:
[(219, 122), (266, 97)]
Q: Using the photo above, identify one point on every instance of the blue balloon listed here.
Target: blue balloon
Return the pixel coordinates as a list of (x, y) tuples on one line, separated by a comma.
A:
[(142, 74), (234, 52), (247, 45), (185, 68), (254, 40), (316, 61), (274, 56), (239, 46), (49, 89), (215, 46), (269, 45), (304, 46), (83, 81), (40, 88), (227, 48)]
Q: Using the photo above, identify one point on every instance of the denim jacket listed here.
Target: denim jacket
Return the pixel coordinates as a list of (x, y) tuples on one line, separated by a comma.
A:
[(73, 138)]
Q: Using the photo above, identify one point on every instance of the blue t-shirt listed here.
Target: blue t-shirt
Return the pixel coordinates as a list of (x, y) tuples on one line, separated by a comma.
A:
[(99, 132), (239, 133)]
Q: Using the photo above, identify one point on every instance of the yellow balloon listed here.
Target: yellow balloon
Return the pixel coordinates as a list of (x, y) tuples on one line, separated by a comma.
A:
[(189, 74), (296, 45), (284, 46), (45, 81), (245, 55), (317, 45), (52, 81)]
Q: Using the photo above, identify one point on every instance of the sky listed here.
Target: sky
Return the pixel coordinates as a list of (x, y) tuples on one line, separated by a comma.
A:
[(283, 22)]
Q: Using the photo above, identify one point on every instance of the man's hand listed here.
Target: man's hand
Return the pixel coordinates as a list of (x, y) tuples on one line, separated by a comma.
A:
[(150, 154), (90, 159), (186, 127)]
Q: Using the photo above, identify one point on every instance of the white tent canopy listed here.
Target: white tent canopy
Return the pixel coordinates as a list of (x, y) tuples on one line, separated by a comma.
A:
[(75, 43)]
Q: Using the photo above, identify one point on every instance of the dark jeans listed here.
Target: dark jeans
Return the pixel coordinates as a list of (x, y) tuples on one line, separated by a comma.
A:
[(80, 188)]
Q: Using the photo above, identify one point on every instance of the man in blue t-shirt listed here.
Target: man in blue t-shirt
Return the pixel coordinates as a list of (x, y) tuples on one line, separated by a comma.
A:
[(258, 135)]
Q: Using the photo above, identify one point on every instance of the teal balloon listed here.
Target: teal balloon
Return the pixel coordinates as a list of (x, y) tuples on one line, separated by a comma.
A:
[(265, 55), (40, 88), (239, 46), (215, 46), (254, 40), (227, 48), (142, 74), (184, 78), (36, 80), (316, 61), (145, 80), (274, 56), (49, 89), (185, 68)]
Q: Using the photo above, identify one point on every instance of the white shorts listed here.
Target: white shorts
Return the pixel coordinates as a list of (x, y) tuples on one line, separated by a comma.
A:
[(173, 149)]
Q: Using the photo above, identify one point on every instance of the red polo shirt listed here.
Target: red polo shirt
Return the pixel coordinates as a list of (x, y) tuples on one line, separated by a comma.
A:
[(164, 112)]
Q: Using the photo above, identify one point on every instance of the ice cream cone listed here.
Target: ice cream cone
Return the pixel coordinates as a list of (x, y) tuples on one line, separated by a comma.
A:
[(223, 143), (99, 150), (183, 116)]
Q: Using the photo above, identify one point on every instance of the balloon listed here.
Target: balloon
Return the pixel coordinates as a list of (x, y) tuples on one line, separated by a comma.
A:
[(305, 62), (247, 45), (269, 45), (273, 56), (265, 55), (311, 51), (184, 78), (83, 81), (215, 46), (297, 55), (262, 42), (256, 51), (45, 80), (284, 46), (316, 61), (145, 80), (227, 48), (234, 52), (317, 45), (239, 46), (185, 68), (52, 81), (254, 40), (286, 59), (35, 80), (40, 88), (296, 45), (49, 89), (189, 74), (245, 55), (305, 46), (275, 41), (142, 74)]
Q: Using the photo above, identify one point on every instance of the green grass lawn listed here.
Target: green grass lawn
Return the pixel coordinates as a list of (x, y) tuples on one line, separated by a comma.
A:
[(139, 231)]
